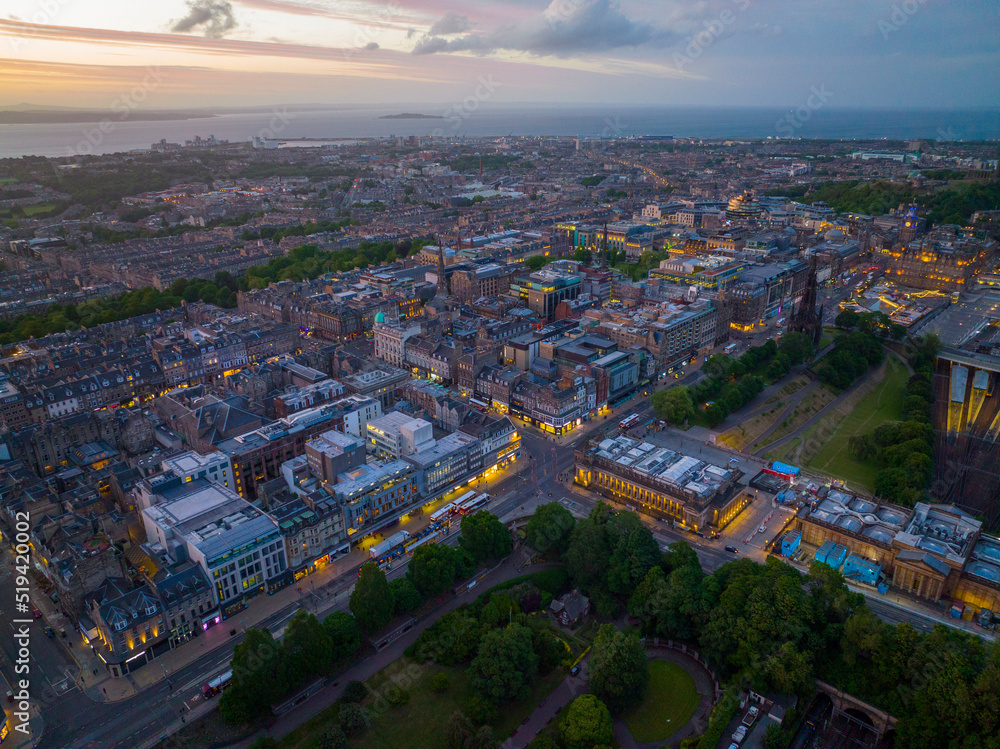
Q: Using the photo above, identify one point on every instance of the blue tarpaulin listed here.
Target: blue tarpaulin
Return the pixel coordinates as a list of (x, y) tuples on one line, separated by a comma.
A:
[(784, 468)]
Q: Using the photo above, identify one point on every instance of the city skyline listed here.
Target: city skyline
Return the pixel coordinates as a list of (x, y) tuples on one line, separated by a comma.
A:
[(213, 53)]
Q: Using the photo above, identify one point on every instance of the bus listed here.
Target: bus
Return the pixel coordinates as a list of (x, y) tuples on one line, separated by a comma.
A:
[(439, 515), (728, 350), (470, 506), (216, 685), (479, 404), (629, 422), (457, 503)]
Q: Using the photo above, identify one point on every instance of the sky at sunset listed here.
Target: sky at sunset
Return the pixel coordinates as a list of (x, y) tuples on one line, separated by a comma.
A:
[(205, 53)]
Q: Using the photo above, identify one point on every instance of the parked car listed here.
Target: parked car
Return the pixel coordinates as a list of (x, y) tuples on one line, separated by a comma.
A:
[(740, 733), (574, 671), (36, 613), (49, 632)]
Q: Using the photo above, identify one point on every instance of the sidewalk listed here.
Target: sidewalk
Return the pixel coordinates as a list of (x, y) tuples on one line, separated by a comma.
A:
[(568, 690)]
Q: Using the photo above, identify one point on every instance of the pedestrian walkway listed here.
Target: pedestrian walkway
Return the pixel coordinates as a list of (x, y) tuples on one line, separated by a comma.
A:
[(568, 690), (573, 686)]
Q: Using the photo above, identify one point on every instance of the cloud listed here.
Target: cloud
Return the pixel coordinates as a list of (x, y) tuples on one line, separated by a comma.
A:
[(450, 23), (565, 28), (214, 18), (371, 46), (766, 29)]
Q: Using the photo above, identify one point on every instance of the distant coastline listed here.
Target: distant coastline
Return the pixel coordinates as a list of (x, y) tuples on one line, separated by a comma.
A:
[(60, 138), (54, 117), (411, 116)]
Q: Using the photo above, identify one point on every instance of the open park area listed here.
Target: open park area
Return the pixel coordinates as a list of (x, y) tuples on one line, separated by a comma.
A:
[(671, 699), (883, 403), (411, 704)]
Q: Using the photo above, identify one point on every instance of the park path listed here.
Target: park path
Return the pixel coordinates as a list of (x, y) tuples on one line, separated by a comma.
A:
[(796, 399), (568, 690), (815, 418), (573, 686), (738, 417)]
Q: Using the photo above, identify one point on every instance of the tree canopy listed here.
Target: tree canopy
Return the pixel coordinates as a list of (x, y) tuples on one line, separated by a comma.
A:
[(486, 538), (260, 678), (506, 665), (307, 645), (587, 724), (618, 669), (549, 527), (432, 569), (371, 602), (345, 635)]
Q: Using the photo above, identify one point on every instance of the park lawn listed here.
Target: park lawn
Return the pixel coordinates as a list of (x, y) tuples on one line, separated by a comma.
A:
[(808, 407), (786, 452), (884, 403), (790, 388), (828, 336), (31, 210), (671, 700), (743, 435)]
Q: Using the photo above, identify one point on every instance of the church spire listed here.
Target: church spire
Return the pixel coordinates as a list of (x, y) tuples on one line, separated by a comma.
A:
[(442, 284)]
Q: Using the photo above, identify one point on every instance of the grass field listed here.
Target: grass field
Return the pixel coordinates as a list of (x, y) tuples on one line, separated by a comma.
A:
[(670, 702), (422, 720), (31, 210), (791, 387), (786, 453), (805, 410), (884, 403)]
